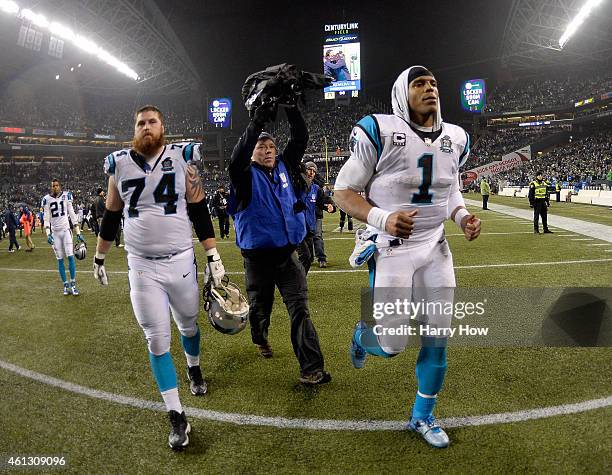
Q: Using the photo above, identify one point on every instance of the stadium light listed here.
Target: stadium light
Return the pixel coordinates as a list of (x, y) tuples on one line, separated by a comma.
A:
[(36, 18), (10, 7), (65, 33), (62, 31), (582, 15)]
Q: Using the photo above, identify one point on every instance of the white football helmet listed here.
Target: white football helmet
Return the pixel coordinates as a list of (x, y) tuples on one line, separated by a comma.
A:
[(80, 250), (228, 310)]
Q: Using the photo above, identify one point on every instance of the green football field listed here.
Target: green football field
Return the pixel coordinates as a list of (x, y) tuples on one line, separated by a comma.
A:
[(79, 383)]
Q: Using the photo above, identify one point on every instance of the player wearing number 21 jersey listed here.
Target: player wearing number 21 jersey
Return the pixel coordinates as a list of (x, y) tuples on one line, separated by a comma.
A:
[(407, 165), (157, 190), (57, 208)]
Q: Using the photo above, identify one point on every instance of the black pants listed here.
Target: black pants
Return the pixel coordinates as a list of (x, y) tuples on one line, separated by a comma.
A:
[(343, 216), (485, 200), (540, 209), (306, 252), (558, 196), (286, 273), (12, 240), (319, 244), (96, 225), (223, 222)]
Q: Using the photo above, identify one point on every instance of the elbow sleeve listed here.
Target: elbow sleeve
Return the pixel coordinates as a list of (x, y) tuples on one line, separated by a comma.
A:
[(200, 217), (111, 220)]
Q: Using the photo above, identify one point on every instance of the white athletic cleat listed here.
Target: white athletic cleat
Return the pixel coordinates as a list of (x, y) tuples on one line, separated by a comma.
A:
[(430, 431)]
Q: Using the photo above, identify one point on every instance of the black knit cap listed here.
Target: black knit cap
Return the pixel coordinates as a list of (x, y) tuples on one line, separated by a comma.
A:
[(266, 136), (417, 72)]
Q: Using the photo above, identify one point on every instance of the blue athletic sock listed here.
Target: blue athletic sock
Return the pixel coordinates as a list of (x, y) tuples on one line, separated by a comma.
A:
[(369, 342), (163, 370), (430, 372), (72, 267), (423, 406), (191, 344), (62, 270)]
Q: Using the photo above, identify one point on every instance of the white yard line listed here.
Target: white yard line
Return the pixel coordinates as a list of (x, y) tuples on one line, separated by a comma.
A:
[(310, 424), (350, 271)]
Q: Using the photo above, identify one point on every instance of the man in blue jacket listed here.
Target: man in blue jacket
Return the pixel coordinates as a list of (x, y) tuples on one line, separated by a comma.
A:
[(315, 200), (270, 224), (11, 224)]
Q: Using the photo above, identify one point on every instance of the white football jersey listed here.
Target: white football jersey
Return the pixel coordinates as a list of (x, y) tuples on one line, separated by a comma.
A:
[(398, 170), (155, 209), (57, 210)]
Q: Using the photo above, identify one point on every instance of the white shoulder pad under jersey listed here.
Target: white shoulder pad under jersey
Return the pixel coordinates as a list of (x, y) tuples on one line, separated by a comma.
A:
[(155, 210), (400, 171)]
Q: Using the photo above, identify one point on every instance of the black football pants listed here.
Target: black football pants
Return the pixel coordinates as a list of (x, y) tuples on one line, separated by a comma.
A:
[(286, 273)]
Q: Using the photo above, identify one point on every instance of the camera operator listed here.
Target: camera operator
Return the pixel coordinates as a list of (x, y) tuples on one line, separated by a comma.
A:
[(270, 224)]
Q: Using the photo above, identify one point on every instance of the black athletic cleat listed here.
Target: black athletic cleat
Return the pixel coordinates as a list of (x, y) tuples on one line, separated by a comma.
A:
[(320, 377), (548, 231), (265, 350), (196, 381), (179, 435)]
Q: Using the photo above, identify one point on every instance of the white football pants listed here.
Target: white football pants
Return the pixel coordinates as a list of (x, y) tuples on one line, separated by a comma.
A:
[(417, 273), (160, 286), (62, 243)]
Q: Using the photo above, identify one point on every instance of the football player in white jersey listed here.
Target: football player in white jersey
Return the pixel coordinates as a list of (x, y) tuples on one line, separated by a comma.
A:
[(407, 164), (57, 208), (164, 196)]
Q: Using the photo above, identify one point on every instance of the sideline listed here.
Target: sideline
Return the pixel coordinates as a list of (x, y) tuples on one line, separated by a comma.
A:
[(586, 228)]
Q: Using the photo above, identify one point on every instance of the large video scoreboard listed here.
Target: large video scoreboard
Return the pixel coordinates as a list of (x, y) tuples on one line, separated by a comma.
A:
[(342, 59)]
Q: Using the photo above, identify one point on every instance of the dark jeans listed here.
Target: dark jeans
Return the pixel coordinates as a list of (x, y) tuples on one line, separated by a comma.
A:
[(343, 216), (540, 209), (306, 252), (485, 200), (223, 222), (96, 225), (558, 193), (12, 240), (319, 245), (286, 273)]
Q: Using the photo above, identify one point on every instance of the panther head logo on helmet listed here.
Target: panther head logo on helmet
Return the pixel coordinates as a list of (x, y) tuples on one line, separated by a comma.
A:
[(80, 251)]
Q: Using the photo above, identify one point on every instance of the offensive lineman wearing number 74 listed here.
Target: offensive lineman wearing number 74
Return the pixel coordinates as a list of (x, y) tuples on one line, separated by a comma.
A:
[(407, 164), (164, 195)]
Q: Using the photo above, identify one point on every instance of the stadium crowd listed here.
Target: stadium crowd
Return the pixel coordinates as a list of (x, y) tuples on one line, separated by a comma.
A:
[(329, 123), (62, 109), (563, 90), (493, 145), (585, 161)]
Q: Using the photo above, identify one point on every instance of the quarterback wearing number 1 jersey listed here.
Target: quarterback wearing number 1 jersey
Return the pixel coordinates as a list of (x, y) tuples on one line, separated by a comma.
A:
[(156, 189), (407, 165)]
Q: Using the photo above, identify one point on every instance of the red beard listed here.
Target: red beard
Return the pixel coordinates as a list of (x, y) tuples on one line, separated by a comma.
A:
[(147, 144)]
